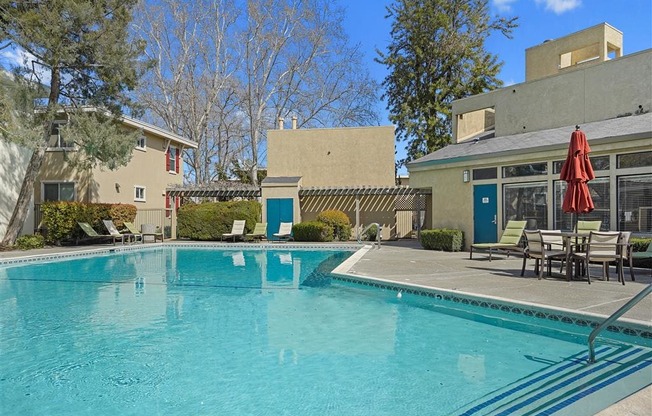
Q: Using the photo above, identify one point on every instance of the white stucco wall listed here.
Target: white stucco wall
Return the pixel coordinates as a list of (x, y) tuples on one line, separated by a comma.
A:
[(13, 162)]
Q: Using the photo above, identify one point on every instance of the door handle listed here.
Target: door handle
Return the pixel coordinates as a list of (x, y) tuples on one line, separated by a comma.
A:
[(494, 221)]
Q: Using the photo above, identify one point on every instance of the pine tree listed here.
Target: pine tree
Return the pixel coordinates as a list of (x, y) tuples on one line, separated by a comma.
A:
[(437, 55), (79, 56)]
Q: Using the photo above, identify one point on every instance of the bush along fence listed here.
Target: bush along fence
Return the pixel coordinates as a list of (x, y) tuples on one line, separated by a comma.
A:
[(328, 226), (209, 220)]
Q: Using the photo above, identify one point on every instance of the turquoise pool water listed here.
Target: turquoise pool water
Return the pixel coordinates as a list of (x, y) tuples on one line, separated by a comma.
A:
[(177, 331)]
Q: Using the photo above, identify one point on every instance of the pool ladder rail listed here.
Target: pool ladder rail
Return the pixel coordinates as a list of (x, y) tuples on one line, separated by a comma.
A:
[(629, 305), (379, 234)]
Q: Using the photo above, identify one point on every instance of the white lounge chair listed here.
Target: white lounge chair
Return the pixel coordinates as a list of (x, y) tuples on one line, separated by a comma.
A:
[(284, 231), (237, 230)]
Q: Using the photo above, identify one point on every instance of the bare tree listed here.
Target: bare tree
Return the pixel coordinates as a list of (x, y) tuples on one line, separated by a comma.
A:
[(296, 61), (192, 86)]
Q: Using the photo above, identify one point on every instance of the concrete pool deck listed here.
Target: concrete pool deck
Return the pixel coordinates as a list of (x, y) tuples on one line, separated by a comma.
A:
[(405, 262)]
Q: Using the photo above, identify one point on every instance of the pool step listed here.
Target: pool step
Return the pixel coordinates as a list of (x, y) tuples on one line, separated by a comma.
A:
[(572, 387)]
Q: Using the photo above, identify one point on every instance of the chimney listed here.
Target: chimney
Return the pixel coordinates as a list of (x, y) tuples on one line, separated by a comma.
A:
[(280, 123), (294, 122)]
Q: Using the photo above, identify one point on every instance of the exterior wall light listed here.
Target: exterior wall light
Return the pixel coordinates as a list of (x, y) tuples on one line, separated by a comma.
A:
[(466, 176)]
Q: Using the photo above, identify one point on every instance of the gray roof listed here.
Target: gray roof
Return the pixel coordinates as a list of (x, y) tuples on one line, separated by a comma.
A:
[(485, 145), (281, 179)]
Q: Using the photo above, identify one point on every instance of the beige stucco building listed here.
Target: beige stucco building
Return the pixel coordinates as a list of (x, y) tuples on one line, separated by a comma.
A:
[(349, 169), (155, 165), (509, 144)]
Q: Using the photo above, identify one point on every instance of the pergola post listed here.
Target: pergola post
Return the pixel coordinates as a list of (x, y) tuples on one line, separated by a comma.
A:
[(357, 216)]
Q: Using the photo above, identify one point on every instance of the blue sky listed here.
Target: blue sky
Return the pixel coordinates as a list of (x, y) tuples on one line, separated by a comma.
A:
[(538, 20)]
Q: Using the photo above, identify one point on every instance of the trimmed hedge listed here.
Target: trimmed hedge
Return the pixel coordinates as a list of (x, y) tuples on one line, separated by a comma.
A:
[(339, 221), (442, 239), (312, 231), (640, 244), (60, 218), (209, 220)]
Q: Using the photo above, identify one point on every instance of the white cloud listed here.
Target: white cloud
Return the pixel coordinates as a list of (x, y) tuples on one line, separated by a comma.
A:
[(504, 6), (560, 6), (13, 56)]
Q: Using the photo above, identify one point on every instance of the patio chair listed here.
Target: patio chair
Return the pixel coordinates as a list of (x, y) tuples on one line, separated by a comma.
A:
[(149, 230), (588, 226), (626, 251), (111, 228), (538, 249), (237, 230), (133, 230), (284, 231), (508, 241), (603, 247), (259, 232), (92, 235)]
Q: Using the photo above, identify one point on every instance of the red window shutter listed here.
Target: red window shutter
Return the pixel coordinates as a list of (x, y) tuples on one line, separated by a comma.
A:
[(178, 159), (177, 202), (167, 201), (167, 159)]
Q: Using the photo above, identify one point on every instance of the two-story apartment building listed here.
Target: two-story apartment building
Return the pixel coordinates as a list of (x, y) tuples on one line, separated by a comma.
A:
[(509, 144), (155, 165)]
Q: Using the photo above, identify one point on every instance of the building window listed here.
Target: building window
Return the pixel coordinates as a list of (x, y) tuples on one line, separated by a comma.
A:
[(57, 140), (598, 163), (485, 173), (139, 193), (58, 191), (529, 169), (526, 201), (172, 160), (141, 143), (599, 189), (635, 160), (635, 203)]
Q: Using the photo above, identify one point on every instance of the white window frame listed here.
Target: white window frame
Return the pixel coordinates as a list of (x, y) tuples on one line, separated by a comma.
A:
[(141, 143), (74, 189), (172, 155), (143, 198), (57, 145)]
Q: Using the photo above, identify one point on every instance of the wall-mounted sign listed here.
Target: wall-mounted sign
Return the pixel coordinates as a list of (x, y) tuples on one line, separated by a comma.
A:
[(485, 199)]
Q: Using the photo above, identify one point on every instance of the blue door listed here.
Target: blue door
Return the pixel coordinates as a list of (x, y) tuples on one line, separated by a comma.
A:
[(485, 209), (278, 210)]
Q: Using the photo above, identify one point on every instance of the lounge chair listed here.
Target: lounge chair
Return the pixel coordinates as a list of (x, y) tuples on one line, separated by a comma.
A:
[(237, 230), (284, 231), (92, 235), (113, 231), (585, 227), (149, 230), (508, 241), (259, 232), (133, 230)]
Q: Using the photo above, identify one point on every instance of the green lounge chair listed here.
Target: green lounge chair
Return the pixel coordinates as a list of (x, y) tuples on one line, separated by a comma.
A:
[(113, 230), (259, 232), (92, 235), (509, 241), (134, 231)]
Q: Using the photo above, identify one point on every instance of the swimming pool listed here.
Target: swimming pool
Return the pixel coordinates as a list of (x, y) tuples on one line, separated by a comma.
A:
[(176, 330)]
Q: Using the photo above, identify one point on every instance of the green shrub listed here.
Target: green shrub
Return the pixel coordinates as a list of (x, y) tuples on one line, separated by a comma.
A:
[(442, 239), (60, 218), (312, 231), (339, 221), (28, 242), (209, 220), (640, 244), (372, 233)]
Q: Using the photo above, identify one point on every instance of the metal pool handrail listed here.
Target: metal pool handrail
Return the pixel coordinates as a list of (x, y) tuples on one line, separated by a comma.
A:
[(633, 301), (378, 234)]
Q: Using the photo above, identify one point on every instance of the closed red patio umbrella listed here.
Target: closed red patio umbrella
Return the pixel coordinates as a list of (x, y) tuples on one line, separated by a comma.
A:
[(577, 172)]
